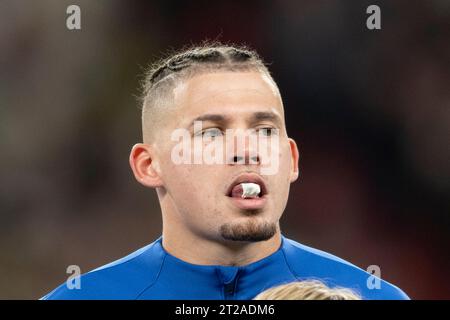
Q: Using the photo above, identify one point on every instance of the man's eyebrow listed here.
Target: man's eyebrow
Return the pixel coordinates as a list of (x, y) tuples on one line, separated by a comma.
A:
[(254, 117), (210, 117), (270, 116)]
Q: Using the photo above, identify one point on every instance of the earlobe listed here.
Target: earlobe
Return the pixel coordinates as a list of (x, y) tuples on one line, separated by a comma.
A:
[(294, 158), (143, 165)]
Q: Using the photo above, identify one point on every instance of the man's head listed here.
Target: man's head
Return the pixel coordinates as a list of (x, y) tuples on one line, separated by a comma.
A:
[(307, 290), (226, 88)]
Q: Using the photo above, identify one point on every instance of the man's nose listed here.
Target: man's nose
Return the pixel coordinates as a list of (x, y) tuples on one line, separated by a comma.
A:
[(244, 149)]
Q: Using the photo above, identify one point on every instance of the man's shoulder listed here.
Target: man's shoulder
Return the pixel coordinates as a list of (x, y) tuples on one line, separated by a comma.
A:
[(125, 278), (310, 263)]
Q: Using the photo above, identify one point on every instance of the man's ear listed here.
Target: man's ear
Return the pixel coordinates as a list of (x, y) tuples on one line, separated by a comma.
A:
[(144, 167), (294, 159)]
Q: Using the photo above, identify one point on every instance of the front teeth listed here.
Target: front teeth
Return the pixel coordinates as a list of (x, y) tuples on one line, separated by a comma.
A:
[(250, 190)]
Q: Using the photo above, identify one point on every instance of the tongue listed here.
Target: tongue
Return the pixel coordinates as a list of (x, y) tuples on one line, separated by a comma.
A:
[(237, 191)]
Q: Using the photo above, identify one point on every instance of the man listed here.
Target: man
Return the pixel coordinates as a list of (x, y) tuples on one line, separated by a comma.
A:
[(221, 237)]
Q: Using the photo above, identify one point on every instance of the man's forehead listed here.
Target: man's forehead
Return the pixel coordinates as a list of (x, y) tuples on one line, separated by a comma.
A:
[(221, 92)]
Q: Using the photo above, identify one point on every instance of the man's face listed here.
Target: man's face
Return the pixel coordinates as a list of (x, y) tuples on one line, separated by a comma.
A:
[(201, 195)]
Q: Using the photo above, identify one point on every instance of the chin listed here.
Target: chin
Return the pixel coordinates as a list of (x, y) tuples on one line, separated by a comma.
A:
[(251, 230)]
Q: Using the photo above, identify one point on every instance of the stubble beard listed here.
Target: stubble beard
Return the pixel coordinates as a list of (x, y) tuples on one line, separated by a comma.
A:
[(249, 231)]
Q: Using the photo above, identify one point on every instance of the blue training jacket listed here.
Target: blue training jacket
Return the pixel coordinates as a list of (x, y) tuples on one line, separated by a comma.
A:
[(153, 273)]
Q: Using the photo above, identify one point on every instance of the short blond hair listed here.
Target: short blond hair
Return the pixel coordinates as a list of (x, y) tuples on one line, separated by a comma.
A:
[(307, 290)]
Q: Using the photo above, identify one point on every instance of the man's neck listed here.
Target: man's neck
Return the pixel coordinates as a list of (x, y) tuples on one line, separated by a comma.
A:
[(201, 251)]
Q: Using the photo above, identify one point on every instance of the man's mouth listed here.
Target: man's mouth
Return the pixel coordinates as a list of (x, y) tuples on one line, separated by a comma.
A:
[(247, 185), (248, 192)]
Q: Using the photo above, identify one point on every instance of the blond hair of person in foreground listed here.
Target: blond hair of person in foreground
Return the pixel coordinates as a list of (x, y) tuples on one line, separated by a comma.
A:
[(307, 290)]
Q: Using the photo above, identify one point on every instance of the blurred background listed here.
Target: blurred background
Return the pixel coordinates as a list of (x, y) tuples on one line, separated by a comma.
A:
[(370, 110)]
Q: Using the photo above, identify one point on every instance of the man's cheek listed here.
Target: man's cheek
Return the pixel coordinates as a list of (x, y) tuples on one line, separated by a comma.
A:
[(271, 156)]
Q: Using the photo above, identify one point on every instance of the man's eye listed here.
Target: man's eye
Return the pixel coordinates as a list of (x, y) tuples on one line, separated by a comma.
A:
[(267, 131), (212, 133)]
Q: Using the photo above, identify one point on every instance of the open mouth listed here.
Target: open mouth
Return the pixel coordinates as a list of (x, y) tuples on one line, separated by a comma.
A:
[(247, 186), (248, 192)]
